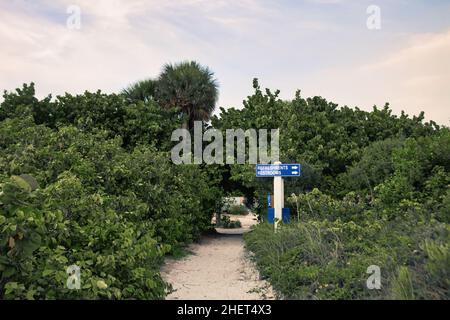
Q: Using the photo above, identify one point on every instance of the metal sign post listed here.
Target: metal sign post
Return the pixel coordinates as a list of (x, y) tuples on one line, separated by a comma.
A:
[(278, 198), (278, 171)]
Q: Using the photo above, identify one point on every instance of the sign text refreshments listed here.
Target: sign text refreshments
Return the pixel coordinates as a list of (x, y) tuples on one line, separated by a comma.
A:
[(278, 170)]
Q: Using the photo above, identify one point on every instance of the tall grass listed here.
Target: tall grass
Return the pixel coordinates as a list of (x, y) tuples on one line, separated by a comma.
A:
[(321, 259)]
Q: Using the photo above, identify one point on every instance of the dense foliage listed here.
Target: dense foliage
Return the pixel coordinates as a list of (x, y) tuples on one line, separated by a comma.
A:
[(374, 191), (87, 180), (188, 86)]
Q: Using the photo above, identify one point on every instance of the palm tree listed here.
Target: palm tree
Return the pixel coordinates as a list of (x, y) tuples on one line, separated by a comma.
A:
[(189, 87), (143, 90)]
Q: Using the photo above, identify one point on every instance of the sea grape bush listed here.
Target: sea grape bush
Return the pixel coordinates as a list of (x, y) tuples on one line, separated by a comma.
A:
[(135, 122), (105, 197), (374, 191), (87, 180), (43, 238), (402, 226), (326, 139)]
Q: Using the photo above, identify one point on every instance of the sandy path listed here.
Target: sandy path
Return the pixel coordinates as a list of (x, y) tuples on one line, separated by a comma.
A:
[(218, 268)]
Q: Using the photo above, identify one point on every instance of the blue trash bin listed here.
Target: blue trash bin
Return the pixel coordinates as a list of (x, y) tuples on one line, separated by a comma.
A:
[(285, 215), (271, 215)]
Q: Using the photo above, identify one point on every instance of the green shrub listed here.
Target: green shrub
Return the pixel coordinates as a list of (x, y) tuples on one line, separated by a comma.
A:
[(115, 212), (324, 259), (238, 210), (226, 223)]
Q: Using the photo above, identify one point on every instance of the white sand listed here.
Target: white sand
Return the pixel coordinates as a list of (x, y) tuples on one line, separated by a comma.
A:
[(218, 268)]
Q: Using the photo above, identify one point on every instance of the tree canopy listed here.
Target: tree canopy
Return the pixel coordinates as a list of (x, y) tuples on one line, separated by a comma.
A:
[(187, 86)]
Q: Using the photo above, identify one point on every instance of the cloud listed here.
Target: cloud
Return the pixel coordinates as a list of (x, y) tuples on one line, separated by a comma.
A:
[(413, 78), (288, 46), (325, 1), (120, 41), (105, 53)]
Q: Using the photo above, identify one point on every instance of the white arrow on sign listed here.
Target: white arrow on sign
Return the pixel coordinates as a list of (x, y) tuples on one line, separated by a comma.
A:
[(294, 172)]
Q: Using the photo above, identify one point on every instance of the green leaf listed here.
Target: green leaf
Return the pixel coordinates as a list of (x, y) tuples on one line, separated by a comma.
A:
[(32, 182), (101, 284), (30, 294), (10, 287), (47, 272), (30, 244), (9, 272), (22, 183)]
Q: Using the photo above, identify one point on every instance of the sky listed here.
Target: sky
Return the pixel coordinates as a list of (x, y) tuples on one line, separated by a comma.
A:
[(321, 47)]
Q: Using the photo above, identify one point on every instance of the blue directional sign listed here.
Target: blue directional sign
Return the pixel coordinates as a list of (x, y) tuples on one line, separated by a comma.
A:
[(278, 170)]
